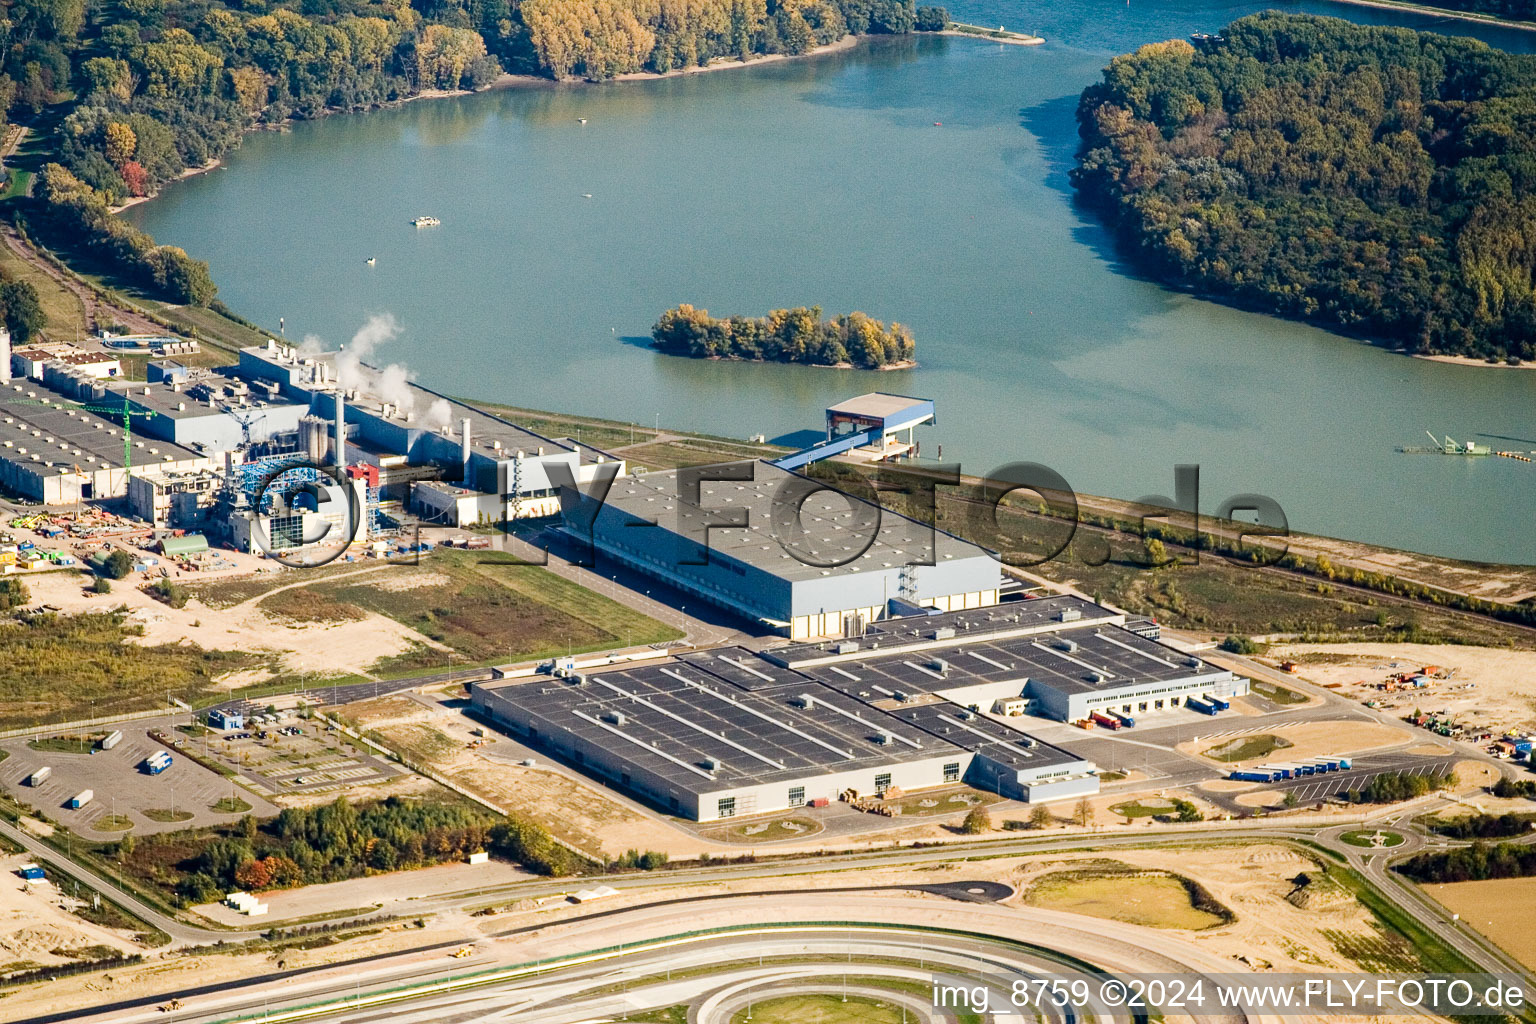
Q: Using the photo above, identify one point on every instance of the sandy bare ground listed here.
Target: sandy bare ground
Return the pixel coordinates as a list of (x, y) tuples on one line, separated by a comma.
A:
[(34, 921), (1499, 908), (391, 894), (1491, 688), (1319, 739), (311, 648), (1269, 932)]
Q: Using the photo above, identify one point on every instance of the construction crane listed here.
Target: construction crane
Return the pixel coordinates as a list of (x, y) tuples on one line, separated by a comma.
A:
[(110, 410), (246, 423)]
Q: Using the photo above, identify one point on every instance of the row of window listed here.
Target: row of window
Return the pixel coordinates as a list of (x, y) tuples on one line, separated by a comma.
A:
[(725, 807)]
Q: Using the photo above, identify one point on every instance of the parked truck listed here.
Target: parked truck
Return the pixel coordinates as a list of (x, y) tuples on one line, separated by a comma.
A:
[(80, 799), (1107, 721), (1196, 704), (1125, 720), (157, 762), (111, 739), (1218, 702), (39, 777)]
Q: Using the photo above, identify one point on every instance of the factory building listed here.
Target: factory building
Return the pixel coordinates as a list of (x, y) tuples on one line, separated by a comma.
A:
[(724, 733), (828, 571), (492, 470), (55, 453), (182, 500), (1058, 657)]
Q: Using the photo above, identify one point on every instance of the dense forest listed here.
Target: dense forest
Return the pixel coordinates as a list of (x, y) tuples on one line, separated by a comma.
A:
[(1378, 180), (1391, 788), (1474, 863), (784, 336), (131, 93)]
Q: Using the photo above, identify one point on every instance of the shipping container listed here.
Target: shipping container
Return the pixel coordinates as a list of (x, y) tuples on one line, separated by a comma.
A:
[(80, 799), (32, 872), (111, 739), (39, 777)]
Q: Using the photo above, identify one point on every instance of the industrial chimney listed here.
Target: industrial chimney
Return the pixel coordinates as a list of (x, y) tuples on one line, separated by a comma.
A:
[(341, 433), (464, 447), (5, 356)]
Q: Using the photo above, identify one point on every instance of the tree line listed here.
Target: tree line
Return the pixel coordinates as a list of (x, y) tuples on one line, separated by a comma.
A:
[(1378, 180), (1391, 788), (799, 335), (1473, 863), (1483, 826)]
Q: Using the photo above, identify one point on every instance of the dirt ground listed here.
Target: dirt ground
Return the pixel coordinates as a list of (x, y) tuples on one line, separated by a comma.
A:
[(1320, 739), (1491, 688), (34, 922), (308, 648), (1499, 908), (388, 894)]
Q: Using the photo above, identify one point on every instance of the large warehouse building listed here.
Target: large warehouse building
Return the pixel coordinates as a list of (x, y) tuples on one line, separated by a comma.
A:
[(1058, 657), (829, 571), (721, 733), (914, 702)]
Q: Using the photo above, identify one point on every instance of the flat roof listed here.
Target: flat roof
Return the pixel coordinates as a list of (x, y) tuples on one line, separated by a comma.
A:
[(1034, 615), (673, 719), (1066, 658), (64, 435), (831, 531), (878, 405), (185, 400)]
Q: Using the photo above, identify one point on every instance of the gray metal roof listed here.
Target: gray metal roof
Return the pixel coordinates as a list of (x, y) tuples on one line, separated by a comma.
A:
[(64, 436), (833, 531), (674, 719)]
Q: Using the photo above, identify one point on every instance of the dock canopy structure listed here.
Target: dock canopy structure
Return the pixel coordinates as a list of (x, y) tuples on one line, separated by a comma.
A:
[(873, 427)]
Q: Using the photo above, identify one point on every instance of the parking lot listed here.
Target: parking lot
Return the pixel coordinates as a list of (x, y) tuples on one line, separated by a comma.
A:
[(291, 755), (183, 795)]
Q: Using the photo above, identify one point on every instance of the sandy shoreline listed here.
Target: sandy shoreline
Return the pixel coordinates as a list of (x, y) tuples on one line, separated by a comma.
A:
[(1009, 39), (1441, 12), (1473, 360)]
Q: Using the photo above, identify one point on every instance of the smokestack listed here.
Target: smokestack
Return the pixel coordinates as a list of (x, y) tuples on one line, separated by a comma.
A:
[(5, 356), (464, 446), (341, 433)]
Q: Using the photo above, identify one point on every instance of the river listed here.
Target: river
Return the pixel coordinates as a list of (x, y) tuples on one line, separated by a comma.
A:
[(826, 181)]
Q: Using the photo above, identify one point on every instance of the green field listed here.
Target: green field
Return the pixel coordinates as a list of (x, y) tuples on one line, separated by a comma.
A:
[(1142, 808), (167, 814), (486, 606), (112, 823), (1246, 748), (58, 668), (230, 805), (1277, 694)]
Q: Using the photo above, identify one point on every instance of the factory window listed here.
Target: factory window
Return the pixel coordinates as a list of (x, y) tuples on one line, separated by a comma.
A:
[(1159, 705), (1173, 701), (727, 807), (952, 772), (882, 782), (796, 796), (1142, 706)]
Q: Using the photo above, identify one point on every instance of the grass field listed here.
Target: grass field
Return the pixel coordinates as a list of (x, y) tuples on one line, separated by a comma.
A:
[(1246, 748), (764, 831), (1367, 838), (1154, 900), (1500, 908), (59, 668), (420, 744), (167, 814), (821, 1009), (67, 743), (944, 803), (1142, 808), (231, 805), (308, 604), (1277, 694), (486, 606), (112, 823)]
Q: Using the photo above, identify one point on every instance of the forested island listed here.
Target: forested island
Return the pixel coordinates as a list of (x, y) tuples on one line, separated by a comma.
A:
[(1378, 180), (129, 94), (797, 335)]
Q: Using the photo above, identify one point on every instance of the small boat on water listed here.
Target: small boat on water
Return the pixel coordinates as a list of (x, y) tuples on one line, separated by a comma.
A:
[(372, 261), (581, 120), (426, 222)]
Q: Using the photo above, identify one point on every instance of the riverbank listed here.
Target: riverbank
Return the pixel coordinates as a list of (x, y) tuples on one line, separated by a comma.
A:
[(1474, 361), (848, 42), (1441, 12), (996, 35)]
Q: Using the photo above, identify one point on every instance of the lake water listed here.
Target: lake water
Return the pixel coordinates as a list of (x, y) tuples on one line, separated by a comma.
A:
[(826, 182)]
